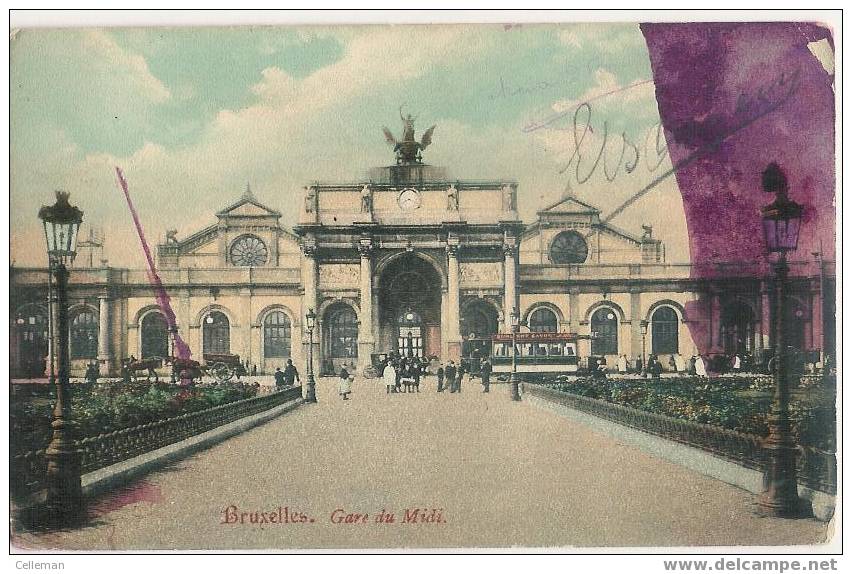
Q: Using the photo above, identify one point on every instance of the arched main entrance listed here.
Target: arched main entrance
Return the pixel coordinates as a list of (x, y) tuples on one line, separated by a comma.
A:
[(410, 308)]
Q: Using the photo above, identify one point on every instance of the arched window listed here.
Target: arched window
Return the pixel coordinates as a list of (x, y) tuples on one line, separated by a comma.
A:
[(155, 336), (569, 247), (84, 335), (543, 320), (276, 335), (664, 331), (737, 328), (343, 332), (217, 333), (605, 328)]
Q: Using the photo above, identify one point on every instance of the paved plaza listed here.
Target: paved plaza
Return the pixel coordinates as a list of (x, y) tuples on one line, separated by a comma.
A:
[(496, 473)]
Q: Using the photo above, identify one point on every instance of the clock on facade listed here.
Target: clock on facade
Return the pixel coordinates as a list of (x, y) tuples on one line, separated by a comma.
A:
[(409, 199), (249, 251), (569, 247)]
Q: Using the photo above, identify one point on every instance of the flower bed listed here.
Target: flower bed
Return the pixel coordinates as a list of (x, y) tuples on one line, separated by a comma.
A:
[(108, 407), (734, 403)]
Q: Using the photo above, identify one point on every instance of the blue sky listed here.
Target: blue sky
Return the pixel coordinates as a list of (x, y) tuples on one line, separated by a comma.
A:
[(193, 114)]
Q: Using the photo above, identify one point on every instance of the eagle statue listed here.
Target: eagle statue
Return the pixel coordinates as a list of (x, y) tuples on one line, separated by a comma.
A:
[(408, 149)]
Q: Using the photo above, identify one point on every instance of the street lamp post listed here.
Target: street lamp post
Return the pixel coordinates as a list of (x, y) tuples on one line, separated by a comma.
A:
[(781, 221), (643, 328), (310, 322), (64, 493), (514, 317)]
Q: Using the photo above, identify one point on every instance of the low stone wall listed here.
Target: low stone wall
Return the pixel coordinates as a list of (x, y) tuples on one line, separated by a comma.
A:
[(29, 469), (732, 457)]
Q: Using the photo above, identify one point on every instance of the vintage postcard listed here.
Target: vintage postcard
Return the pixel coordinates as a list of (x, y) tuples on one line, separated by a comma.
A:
[(536, 286)]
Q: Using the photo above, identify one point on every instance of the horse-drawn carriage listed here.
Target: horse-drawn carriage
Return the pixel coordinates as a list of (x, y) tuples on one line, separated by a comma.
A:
[(221, 366), (141, 370)]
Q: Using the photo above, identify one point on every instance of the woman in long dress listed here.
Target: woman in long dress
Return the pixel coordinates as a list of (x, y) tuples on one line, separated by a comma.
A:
[(389, 376), (700, 367)]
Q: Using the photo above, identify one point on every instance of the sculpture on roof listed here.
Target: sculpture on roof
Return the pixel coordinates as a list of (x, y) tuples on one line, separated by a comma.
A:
[(408, 149), (310, 199)]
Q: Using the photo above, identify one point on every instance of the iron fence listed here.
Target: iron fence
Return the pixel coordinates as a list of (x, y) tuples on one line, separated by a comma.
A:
[(817, 469), (28, 469)]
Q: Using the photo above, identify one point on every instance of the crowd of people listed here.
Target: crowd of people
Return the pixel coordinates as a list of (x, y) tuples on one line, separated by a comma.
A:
[(399, 374)]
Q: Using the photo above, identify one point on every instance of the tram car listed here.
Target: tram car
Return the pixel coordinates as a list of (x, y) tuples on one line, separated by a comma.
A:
[(535, 353)]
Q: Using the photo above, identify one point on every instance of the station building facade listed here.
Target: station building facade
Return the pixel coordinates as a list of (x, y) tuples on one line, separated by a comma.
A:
[(411, 260)]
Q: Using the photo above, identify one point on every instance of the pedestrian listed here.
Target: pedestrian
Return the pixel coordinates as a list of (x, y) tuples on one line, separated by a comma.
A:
[(291, 374), (485, 374), (440, 374), (279, 378), (600, 368), (680, 365), (407, 378), (416, 376), (459, 376), (622, 365), (389, 377), (656, 367), (700, 366), (737, 363), (344, 387), (450, 373)]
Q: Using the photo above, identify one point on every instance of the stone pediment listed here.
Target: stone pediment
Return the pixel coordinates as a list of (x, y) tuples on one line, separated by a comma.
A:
[(570, 205), (248, 206)]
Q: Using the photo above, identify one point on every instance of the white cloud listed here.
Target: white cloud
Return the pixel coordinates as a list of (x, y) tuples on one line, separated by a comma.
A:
[(125, 67)]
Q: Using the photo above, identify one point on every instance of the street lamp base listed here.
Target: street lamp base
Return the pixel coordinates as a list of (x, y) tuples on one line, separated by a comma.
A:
[(311, 395), (516, 393), (781, 503)]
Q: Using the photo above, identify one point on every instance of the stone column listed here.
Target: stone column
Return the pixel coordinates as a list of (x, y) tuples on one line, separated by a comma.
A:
[(510, 276), (574, 316), (452, 328), (104, 358), (636, 329), (309, 300), (366, 337), (245, 327)]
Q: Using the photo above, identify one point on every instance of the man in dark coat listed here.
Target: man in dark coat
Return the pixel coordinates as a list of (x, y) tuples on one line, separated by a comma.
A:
[(485, 373), (291, 374), (450, 373), (459, 376), (440, 374)]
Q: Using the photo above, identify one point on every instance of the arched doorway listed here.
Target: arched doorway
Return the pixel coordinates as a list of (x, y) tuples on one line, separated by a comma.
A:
[(340, 338), (664, 331), (30, 326), (216, 333), (604, 325), (479, 322), (737, 328), (410, 307), (155, 335)]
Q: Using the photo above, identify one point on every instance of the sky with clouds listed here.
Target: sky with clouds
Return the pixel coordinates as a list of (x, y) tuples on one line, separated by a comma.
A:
[(193, 114)]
